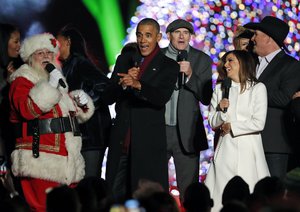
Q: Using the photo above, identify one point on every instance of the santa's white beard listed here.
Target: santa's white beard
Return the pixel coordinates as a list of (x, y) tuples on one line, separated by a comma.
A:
[(42, 73)]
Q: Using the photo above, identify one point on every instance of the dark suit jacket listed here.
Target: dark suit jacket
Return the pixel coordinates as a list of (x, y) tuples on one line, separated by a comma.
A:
[(198, 88), (143, 112), (295, 123), (281, 78)]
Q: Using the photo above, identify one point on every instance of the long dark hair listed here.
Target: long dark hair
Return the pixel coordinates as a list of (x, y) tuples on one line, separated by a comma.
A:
[(5, 32), (79, 45), (247, 67)]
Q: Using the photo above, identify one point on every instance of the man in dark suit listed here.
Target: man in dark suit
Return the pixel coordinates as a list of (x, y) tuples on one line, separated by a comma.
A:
[(186, 135), (280, 73), (141, 84), (295, 122)]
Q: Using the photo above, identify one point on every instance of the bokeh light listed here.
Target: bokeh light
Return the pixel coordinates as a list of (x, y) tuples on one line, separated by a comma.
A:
[(215, 22)]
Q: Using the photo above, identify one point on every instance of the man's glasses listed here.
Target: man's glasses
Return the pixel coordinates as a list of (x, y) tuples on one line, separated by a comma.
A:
[(43, 53)]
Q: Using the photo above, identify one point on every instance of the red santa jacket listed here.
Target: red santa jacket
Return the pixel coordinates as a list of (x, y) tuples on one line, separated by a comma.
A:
[(32, 97)]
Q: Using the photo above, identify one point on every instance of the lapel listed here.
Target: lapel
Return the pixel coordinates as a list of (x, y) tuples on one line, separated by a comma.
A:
[(153, 67), (269, 69), (192, 57)]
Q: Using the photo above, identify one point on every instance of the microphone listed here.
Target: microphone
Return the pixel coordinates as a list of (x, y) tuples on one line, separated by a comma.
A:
[(182, 56), (137, 59), (50, 67), (226, 84)]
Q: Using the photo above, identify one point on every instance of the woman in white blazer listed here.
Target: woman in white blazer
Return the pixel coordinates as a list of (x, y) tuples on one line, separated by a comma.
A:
[(241, 118)]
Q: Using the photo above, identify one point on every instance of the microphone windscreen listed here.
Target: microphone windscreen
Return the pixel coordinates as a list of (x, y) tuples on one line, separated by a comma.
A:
[(50, 67), (182, 56)]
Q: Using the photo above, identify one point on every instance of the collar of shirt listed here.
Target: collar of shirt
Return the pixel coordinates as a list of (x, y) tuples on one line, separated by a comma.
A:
[(264, 61), (270, 56)]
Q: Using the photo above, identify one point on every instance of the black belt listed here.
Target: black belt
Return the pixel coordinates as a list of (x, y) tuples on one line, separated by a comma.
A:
[(48, 126), (38, 127)]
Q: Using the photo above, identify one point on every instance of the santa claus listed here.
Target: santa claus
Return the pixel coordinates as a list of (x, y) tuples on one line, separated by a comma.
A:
[(46, 117)]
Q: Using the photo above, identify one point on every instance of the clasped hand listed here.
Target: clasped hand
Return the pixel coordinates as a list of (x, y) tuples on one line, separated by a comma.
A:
[(225, 128), (10, 68), (130, 79)]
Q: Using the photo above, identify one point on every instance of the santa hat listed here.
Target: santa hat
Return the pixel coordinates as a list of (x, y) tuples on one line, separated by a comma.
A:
[(36, 42)]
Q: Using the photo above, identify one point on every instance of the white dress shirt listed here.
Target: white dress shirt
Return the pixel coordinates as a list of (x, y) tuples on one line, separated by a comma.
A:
[(264, 62)]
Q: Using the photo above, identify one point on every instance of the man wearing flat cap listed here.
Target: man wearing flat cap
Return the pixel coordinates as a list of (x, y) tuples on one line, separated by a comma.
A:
[(280, 73), (186, 135)]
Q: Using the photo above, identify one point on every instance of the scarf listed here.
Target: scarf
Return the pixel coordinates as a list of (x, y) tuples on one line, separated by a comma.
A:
[(146, 61)]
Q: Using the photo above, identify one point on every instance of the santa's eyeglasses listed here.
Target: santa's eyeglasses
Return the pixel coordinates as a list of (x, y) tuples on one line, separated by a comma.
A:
[(41, 53)]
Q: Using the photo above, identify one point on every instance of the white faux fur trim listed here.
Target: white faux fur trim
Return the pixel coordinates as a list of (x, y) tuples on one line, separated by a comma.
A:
[(36, 42), (84, 115), (45, 96), (67, 104), (27, 72), (62, 169)]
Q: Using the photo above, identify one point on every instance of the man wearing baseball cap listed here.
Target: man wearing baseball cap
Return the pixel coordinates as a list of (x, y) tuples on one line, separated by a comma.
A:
[(280, 73), (186, 135)]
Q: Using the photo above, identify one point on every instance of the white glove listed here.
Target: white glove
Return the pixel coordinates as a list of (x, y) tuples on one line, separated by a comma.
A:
[(81, 98), (54, 77)]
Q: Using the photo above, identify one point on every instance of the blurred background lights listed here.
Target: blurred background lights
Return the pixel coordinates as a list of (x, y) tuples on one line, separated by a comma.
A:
[(215, 22)]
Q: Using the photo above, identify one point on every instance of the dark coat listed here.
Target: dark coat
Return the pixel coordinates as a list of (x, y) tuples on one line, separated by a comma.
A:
[(294, 130), (281, 78), (7, 138), (198, 89), (144, 113), (80, 73), (295, 123)]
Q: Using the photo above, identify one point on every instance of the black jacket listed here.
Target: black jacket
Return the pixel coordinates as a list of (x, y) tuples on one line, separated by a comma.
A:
[(144, 113), (281, 78), (81, 73)]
